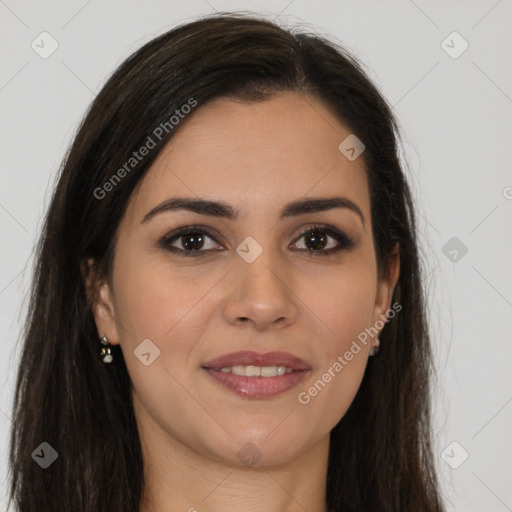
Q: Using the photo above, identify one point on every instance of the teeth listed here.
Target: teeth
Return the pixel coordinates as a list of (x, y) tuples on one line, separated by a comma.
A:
[(257, 371)]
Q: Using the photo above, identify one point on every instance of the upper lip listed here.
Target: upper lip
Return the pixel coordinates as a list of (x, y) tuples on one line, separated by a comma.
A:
[(250, 358)]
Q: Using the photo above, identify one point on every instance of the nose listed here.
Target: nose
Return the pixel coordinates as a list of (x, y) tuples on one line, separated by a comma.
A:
[(261, 293)]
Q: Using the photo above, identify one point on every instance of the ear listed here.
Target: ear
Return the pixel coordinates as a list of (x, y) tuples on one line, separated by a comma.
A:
[(99, 296), (386, 286)]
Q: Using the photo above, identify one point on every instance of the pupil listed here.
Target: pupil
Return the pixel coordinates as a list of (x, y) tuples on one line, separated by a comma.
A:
[(195, 237), (314, 239)]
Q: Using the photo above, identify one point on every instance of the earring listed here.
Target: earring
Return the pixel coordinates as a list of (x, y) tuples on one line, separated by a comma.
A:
[(375, 350), (106, 352)]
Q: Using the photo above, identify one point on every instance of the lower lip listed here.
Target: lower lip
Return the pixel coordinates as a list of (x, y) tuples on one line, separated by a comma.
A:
[(257, 387)]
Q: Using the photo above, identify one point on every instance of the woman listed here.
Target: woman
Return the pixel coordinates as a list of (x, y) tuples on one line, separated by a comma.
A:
[(227, 308)]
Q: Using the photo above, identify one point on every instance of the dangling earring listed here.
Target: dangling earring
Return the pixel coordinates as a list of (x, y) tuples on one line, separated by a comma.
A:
[(375, 350), (106, 352)]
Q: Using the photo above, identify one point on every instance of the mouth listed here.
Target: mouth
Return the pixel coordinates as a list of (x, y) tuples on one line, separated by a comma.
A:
[(253, 375)]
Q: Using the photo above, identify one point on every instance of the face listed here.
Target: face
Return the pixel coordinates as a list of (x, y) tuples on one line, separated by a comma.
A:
[(304, 283)]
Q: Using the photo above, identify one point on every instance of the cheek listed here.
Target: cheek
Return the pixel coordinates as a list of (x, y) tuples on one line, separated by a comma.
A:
[(343, 304), (152, 306), (164, 305), (328, 396), (331, 388), (344, 308), (148, 303)]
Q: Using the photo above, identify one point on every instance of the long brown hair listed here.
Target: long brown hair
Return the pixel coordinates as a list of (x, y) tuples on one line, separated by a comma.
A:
[(380, 452)]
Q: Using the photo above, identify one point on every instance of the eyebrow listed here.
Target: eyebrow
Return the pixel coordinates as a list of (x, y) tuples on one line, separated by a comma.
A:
[(224, 210)]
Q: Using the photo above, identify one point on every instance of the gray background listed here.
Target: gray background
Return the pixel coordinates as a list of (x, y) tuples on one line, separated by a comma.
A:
[(455, 116)]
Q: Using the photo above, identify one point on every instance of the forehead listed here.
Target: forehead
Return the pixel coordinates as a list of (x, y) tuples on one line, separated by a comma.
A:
[(257, 156)]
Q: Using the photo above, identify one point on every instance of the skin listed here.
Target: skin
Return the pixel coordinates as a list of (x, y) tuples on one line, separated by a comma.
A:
[(257, 158)]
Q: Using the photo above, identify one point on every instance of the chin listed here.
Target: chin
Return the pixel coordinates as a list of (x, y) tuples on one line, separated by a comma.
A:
[(258, 447)]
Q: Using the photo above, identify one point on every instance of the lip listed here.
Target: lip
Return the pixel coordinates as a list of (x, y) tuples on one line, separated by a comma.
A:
[(257, 387), (248, 358)]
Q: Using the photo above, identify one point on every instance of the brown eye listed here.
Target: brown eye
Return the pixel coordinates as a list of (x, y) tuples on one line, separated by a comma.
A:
[(189, 241), (316, 240), (193, 241)]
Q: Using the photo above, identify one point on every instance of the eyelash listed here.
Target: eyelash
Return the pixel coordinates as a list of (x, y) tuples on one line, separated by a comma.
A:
[(343, 240)]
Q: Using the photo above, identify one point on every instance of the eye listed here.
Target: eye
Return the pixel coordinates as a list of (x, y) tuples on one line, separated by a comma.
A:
[(190, 238), (193, 241), (316, 239)]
